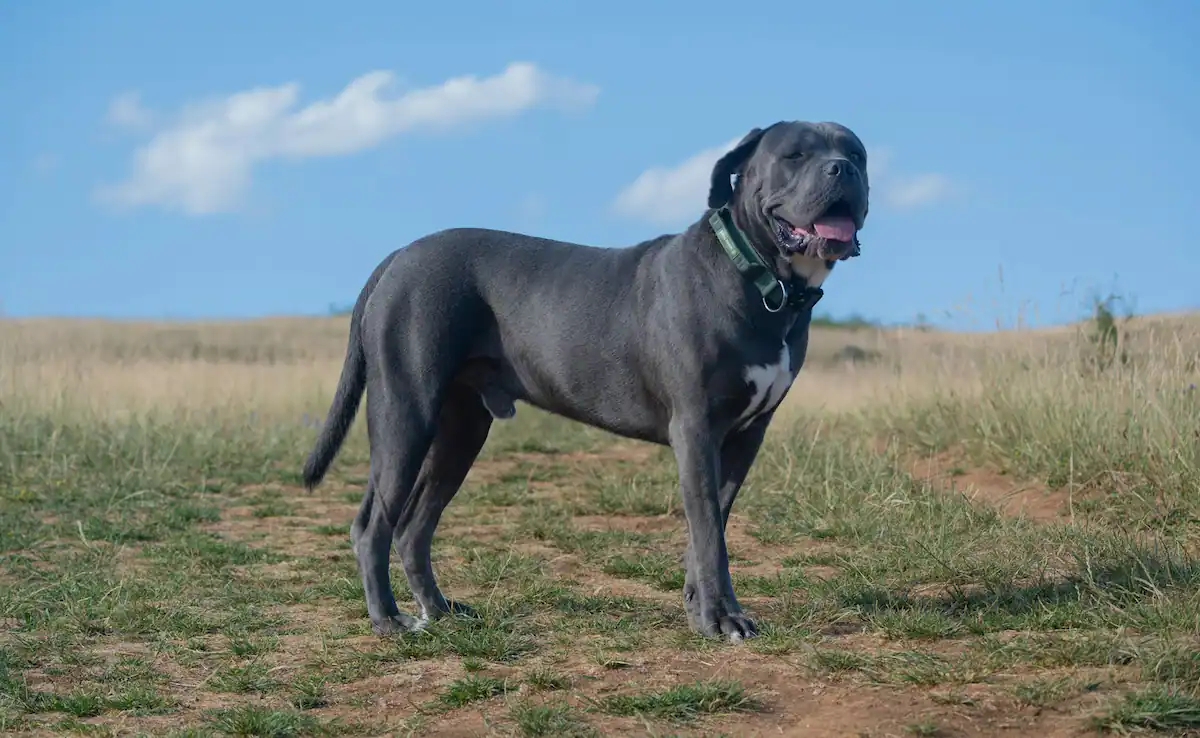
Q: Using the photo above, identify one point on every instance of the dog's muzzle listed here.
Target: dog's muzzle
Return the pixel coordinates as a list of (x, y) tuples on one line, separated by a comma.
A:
[(833, 236)]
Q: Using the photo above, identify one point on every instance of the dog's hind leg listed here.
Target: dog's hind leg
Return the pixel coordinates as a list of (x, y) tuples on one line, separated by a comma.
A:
[(377, 606), (364, 511), (386, 496), (462, 429), (406, 385)]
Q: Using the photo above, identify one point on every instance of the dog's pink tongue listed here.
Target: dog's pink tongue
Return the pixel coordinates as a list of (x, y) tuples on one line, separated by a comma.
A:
[(835, 228)]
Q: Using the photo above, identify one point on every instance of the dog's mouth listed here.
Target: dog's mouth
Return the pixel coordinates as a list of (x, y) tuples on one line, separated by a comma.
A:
[(831, 236)]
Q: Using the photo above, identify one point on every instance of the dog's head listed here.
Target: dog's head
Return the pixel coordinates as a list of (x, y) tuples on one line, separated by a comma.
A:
[(800, 186)]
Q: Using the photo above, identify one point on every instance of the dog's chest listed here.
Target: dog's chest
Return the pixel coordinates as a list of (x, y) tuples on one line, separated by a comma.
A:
[(768, 383)]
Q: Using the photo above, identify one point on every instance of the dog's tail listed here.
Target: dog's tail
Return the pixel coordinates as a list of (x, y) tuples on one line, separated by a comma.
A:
[(349, 392)]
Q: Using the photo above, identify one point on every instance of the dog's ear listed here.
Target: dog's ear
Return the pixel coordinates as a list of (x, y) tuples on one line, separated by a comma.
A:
[(721, 190)]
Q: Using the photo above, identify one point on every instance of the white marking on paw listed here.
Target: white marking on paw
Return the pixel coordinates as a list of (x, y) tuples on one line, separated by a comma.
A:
[(735, 637), (770, 382), (813, 270)]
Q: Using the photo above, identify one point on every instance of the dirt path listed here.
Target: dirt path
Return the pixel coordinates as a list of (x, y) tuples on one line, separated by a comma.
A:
[(571, 623), (948, 472), (795, 700)]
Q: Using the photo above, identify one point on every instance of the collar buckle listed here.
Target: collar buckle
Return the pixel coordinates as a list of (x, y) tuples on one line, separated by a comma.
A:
[(807, 298)]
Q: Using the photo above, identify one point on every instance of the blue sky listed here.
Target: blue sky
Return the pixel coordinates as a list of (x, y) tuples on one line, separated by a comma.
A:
[(222, 159)]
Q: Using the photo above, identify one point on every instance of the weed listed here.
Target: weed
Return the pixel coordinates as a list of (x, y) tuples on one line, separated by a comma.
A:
[(683, 703), (1042, 692), (471, 689), (251, 720), (557, 719), (309, 692), (1155, 708), (546, 680)]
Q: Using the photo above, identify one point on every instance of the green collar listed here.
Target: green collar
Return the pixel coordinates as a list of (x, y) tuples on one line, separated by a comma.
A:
[(752, 266)]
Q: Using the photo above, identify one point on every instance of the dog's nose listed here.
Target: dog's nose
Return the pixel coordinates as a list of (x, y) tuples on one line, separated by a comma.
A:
[(836, 167)]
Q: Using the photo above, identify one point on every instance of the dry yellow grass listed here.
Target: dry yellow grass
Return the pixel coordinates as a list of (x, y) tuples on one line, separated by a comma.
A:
[(1022, 396), (275, 369), (284, 367)]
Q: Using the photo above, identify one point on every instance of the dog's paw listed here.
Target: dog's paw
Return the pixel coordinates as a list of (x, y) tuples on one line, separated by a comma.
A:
[(398, 623), (724, 621), (738, 628)]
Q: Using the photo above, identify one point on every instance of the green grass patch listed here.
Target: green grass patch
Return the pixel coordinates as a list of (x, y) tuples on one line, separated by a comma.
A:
[(472, 688), (683, 703), (551, 719), (1155, 708)]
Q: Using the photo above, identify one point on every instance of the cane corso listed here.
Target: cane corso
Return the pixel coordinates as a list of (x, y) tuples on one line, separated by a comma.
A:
[(689, 340)]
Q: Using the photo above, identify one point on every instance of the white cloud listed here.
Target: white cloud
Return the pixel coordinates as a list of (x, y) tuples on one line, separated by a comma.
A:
[(907, 193), (202, 163), (126, 111), (669, 196)]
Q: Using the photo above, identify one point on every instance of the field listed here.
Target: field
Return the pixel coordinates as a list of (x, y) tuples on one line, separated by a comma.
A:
[(945, 534)]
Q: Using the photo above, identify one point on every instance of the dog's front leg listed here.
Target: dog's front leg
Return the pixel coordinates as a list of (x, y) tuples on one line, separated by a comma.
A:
[(709, 591), (737, 456)]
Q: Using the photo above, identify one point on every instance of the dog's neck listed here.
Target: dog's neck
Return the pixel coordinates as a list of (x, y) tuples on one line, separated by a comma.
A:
[(783, 282), (812, 270)]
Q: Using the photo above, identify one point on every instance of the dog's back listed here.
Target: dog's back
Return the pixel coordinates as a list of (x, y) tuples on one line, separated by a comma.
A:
[(556, 323)]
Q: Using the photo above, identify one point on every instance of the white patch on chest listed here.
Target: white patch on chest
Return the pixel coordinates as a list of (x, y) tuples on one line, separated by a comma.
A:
[(770, 382), (813, 270)]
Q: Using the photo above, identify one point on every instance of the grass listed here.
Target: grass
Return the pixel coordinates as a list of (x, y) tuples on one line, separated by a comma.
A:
[(555, 719), (162, 571), (258, 721), (471, 689), (682, 703), (1156, 708)]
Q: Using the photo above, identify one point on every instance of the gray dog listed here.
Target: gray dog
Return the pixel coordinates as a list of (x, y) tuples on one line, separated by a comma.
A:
[(688, 340)]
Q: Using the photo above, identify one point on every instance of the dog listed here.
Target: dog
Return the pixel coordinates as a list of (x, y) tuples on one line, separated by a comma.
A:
[(688, 340)]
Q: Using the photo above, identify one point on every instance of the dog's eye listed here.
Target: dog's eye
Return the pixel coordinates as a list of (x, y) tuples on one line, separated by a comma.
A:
[(794, 155)]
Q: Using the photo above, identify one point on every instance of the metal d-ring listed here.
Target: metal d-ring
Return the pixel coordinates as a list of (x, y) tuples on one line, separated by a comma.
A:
[(782, 302)]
